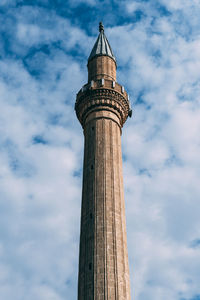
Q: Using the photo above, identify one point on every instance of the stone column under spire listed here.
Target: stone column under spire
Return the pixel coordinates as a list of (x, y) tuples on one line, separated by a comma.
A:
[(102, 107)]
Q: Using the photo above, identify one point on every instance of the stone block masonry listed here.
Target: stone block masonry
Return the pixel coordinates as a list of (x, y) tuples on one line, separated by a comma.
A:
[(102, 108)]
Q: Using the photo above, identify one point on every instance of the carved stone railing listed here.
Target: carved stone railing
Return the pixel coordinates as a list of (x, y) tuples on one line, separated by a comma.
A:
[(102, 94)]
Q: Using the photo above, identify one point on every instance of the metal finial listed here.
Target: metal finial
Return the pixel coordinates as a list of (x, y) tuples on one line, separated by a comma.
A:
[(101, 27)]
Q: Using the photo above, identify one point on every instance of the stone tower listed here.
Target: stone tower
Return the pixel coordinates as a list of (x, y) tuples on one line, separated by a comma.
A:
[(102, 107)]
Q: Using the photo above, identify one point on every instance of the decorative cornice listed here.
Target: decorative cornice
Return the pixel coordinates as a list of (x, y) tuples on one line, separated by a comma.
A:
[(92, 97)]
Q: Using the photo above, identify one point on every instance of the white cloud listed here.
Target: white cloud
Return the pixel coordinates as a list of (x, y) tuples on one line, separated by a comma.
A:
[(161, 145), (41, 152)]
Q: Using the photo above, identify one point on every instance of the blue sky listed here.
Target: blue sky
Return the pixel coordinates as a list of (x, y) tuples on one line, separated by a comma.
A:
[(44, 46)]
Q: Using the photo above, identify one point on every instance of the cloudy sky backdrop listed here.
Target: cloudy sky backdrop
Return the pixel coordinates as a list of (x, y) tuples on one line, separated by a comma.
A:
[(44, 46)]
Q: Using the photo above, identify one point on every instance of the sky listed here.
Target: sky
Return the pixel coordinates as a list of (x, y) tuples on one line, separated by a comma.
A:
[(44, 46)]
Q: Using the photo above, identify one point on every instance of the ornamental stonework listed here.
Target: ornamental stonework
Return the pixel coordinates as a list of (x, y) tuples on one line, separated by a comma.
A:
[(102, 107), (102, 93)]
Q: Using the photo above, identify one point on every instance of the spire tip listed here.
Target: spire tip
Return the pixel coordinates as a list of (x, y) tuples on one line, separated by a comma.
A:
[(101, 27)]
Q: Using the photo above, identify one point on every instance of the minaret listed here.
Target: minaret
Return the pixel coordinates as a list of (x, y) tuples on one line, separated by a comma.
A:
[(102, 107)]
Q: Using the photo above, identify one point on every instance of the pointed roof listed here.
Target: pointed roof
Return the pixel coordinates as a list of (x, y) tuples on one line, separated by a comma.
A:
[(102, 46)]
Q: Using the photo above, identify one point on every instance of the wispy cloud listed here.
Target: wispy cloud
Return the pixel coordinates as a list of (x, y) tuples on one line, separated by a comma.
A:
[(43, 55)]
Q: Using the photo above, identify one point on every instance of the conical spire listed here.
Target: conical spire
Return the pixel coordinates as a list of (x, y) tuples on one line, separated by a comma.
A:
[(102, 46)]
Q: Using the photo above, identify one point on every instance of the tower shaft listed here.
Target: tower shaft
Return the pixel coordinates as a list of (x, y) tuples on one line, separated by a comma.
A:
[(103, 265), (102, 107)]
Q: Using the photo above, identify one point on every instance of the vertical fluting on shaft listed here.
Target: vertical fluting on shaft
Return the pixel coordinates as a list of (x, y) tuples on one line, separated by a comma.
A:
[(102, 107), (103, 266)]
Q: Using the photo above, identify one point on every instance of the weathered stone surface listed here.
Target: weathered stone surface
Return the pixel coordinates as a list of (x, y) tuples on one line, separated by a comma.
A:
[(101, 66), (103, 261)]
